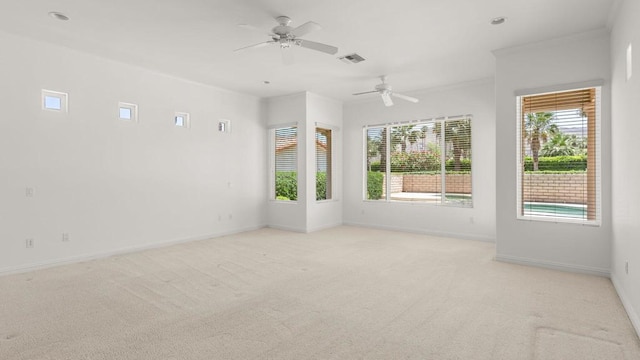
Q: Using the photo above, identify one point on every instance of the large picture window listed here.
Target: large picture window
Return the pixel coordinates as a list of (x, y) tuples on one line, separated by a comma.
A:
[(425, 162), (559, 156)]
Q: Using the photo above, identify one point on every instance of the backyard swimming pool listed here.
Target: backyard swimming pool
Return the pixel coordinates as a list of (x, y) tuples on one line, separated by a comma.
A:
[(572, 211)]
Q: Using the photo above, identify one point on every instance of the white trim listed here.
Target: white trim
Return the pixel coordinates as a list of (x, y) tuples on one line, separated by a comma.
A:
[(554, 265), (327, 126), (282, 125), (121, 251), (560, 88), (287, 228), (633, 315)]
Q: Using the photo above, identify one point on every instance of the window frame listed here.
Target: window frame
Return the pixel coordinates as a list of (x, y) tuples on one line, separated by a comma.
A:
[(273, 145), (443, 154), (133, 108), (597, 157), (328, 132), (62, 96)]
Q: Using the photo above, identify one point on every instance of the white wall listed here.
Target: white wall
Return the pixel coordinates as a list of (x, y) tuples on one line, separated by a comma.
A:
[(475, 98), (322, 111), (573, 247), (624, 157), (115, 186), (286, 111), (307, 110)]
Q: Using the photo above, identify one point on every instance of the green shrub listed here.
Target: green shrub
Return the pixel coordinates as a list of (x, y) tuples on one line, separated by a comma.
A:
[(287, 185), (465, 165), (375, 166), (374, 185), (415, 161), (321, 185), (558, 163)]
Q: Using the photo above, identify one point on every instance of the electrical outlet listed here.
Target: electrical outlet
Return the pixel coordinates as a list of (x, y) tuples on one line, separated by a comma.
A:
[(230, 216), (626, 267), (65, 237), (29, 192), (29, 243)]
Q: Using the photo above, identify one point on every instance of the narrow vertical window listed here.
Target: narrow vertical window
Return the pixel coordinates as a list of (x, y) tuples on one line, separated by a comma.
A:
[(285, 163), (629, 62), (323, 163), (559, 156)]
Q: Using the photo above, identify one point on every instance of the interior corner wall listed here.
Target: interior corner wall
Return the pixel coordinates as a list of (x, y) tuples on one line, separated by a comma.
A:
[(625, 171), (307, 110), (574, 247), (114, 186), (475, 98), (323, 111), (286, 111)]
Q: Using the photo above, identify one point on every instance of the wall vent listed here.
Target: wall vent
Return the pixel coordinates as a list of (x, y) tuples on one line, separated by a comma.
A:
[(351, 58)]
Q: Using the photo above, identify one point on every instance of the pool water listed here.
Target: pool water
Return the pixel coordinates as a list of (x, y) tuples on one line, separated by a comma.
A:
[(556, 210)]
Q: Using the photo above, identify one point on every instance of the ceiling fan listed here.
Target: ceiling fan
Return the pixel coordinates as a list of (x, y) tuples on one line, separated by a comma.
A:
[(287, 36), (385, 92)]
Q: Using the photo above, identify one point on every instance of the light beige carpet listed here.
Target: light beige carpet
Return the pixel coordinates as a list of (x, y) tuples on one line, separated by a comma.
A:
[(342, 293)]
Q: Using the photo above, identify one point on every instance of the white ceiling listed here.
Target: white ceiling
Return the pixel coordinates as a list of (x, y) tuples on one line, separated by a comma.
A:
[(418, 43)]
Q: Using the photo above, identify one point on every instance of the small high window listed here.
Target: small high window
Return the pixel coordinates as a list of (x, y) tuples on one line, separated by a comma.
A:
[(181, 119), (128, 112), (54, 101)]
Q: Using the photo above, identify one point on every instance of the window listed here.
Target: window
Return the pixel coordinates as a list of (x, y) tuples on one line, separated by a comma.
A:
[(181, 119), (559, 156), (629, 62), (127, 112), (323, 163), (54, 101), (224, 126), (424, 162), (285, 163)]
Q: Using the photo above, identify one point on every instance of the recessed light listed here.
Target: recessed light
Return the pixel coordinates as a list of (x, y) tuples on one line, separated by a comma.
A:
[(499, 20), (267, 82), (58, 16)]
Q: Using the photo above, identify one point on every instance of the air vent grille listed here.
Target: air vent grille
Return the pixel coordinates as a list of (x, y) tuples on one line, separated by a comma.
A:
[(351, 58)]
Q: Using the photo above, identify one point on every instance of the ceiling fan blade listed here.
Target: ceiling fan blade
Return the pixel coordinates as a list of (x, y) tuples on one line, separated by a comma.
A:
[(366, 92), (386, 99), (405, 97), (305, 29), (258, 45), (328, 49), (287, 55)]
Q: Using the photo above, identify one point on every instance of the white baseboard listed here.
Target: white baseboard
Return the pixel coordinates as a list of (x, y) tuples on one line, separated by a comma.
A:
[(105, 254), (554, 265), (631, 312), (323, 227), (287, 228), (424, 231)]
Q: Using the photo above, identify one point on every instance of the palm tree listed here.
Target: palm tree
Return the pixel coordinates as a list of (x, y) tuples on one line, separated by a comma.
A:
[(561, 144), (373, 149), (538, 127), (404, 135), (458, 134)]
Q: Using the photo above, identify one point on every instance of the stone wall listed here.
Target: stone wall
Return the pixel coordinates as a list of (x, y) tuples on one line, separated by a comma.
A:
[(555, 188)]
